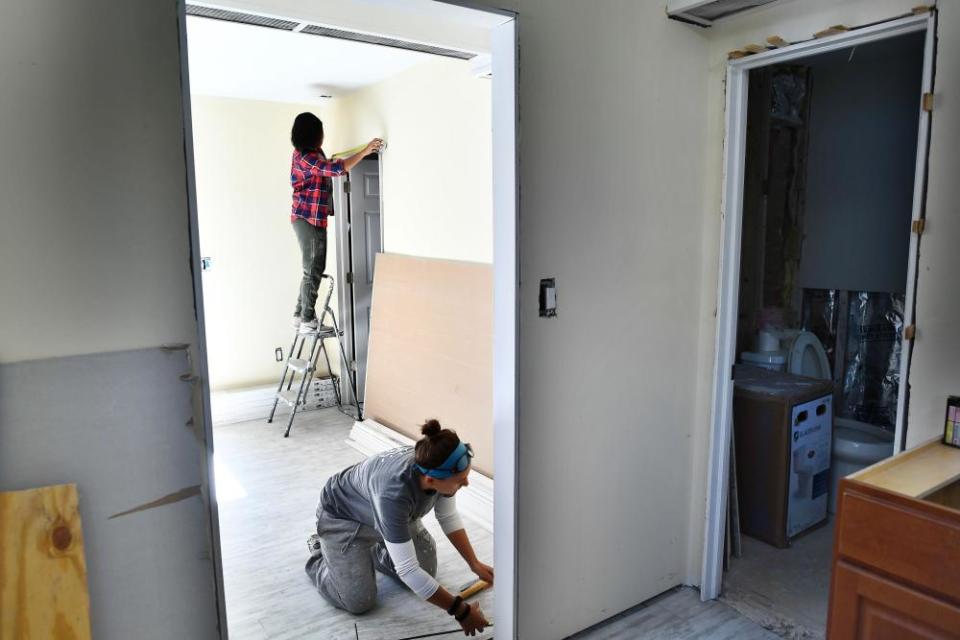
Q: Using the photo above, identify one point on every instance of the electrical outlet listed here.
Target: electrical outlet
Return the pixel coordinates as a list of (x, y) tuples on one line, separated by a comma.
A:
[(279, 354)]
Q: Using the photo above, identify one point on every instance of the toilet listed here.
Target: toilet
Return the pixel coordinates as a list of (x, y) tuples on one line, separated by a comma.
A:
[(792, 350), (856, 445)]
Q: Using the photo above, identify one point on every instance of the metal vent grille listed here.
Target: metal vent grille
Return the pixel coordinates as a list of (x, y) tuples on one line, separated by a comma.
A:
[(328, 32), (243, 18)]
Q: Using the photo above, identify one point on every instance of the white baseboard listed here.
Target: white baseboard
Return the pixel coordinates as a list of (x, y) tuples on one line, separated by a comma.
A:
[(242, 405), (254, 403), (475, 501)]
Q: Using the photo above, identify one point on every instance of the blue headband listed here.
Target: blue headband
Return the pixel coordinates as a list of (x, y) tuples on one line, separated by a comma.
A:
[(451, 465)]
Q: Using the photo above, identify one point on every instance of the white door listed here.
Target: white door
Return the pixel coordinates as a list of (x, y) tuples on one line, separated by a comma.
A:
[(365, 243)]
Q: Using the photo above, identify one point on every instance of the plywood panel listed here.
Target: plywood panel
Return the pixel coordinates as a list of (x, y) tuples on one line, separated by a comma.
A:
[(43, 570), (431, 349)]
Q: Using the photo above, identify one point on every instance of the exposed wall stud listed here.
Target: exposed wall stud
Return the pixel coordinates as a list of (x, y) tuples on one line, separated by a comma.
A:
[(918, 226), (928, 102), (910, 332)]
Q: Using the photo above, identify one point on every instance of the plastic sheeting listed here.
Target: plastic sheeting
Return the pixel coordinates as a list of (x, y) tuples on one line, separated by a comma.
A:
[(872, 346)]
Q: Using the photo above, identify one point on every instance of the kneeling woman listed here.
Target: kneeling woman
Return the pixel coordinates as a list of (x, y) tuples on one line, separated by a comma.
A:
[(369, 518)]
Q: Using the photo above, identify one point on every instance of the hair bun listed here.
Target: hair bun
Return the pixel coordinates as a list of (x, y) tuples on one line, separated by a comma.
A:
[(431, 428)]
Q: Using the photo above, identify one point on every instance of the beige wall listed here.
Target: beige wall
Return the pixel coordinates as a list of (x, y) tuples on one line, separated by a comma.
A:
[(935, 371), (436, 185), (95, 264), (437, 169), (242, 152), (613, 125), (94, 249)]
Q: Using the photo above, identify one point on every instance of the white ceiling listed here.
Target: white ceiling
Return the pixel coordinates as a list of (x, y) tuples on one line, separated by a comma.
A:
[(257, 63)]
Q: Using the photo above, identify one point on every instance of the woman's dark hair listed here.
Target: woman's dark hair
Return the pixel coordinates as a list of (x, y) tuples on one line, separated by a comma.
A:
[(436, 445), (307, 132)]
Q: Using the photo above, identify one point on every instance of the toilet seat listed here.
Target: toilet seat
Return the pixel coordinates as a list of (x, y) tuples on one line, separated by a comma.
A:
[(806, 357)]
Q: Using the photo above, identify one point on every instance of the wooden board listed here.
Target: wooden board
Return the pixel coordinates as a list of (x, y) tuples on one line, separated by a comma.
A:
[(431, 349), (917, 472), (43, 572)]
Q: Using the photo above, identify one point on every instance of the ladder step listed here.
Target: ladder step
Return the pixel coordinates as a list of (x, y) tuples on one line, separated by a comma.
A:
[(323, 331), (299, 365), (290, 397)]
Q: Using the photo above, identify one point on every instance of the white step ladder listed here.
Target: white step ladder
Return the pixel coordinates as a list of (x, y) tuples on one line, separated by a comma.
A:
[(306, 367)]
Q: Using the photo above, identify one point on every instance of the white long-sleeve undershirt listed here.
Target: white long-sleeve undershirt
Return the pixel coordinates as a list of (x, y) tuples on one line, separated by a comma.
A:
[(404, 554)]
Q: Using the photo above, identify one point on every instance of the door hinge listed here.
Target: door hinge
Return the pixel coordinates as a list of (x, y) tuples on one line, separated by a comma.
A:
[(918, 226), (910, 332), (346, 186), (928, 102), (349, 277)]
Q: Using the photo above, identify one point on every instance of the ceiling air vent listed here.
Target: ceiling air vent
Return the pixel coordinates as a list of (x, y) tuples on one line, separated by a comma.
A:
[(706, 12), (329, 32), (243, 18)]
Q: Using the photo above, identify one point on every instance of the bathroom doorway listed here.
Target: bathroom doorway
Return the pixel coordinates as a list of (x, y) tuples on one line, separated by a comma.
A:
[(826, 156)]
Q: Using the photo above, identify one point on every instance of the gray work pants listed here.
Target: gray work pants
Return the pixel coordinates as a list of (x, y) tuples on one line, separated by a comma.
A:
[(313, 251), (350, 553)]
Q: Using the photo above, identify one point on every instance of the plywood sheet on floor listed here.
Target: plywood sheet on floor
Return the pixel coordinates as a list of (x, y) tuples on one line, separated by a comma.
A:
[(678, 615), (43, 569), (784, 590), (269, 487), (431, 349)]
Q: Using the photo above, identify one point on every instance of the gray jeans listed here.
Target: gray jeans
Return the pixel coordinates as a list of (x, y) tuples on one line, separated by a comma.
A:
[(350, 553), (313, 251)]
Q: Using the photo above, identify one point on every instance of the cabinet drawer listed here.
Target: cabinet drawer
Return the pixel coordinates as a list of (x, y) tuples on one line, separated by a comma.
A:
[(865, 606), (899, 536)]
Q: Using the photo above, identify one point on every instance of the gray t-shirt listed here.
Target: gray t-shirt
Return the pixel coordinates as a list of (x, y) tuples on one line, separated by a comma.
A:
[(382, 492)]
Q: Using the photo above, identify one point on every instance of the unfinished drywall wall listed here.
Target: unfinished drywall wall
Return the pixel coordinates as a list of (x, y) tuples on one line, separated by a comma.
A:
[(861, 162), (934, 371), (437, 168), (242, 152), (612, 132), (436, 361), (95, 257)]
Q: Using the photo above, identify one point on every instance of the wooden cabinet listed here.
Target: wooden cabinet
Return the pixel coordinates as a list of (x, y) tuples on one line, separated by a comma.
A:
[(896, 561)]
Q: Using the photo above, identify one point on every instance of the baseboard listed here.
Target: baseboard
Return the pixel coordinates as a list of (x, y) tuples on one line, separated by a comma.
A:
[(241, 405), (254, 403), (475, 501)]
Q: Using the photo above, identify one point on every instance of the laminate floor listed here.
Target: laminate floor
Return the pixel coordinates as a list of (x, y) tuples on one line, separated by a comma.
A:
[(678, 615), (784, 590), (268, 487)]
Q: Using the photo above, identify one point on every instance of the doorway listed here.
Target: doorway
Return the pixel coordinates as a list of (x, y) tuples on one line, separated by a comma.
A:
[(817, 291), (499, 75)]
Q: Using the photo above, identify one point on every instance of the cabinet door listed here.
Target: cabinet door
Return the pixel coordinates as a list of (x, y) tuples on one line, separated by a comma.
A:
[(865, 606)]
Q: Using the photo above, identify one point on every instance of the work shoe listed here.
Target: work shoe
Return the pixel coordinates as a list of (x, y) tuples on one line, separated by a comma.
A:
[(296, 322), (313, 544), (308, 326)]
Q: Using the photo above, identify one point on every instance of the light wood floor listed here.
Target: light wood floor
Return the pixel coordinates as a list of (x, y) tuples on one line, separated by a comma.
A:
[(264, 537), (678, 615), (268, 488), (785, 590)]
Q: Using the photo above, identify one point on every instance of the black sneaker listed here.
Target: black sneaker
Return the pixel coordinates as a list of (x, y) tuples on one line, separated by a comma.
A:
[(313, 544)]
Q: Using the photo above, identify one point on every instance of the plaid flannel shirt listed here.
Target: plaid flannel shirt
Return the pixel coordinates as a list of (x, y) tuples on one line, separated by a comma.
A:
[(310, 175)]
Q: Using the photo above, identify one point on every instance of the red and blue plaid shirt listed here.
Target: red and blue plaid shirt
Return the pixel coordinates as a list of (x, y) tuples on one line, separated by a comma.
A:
[(310, 175)]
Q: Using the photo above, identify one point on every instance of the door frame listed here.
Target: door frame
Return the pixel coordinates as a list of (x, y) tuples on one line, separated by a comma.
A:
[(343, 227), (506, 202), (729, 268)]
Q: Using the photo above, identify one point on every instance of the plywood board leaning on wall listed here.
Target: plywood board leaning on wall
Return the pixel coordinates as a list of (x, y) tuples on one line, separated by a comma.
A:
[(431, 349), (43, 571)]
